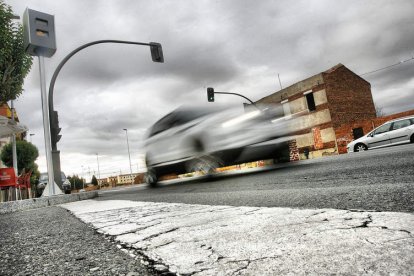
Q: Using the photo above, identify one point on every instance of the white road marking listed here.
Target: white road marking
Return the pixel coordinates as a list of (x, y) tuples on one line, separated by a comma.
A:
[(226, 240)]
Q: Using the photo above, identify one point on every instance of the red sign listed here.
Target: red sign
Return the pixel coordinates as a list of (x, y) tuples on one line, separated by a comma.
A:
[(7, 177)]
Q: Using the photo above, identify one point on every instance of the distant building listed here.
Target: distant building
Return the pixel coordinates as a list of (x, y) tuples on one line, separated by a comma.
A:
[(325, 101), (126, 178), (112, 181), (102, 181)]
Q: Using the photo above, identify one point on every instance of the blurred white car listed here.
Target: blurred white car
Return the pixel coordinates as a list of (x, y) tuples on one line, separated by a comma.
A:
[(197, 139), (394, 132)]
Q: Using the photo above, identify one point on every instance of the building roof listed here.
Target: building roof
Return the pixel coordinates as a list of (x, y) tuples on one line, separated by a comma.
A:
[(333, 69), (8, 127), (301, 86)]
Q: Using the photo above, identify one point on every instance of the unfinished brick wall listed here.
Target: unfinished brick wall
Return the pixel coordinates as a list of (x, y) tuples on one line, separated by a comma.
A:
[(349, 96), (293, 151)]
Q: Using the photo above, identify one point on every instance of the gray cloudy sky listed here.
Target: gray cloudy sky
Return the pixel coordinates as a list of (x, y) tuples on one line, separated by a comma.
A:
[(237, 46)]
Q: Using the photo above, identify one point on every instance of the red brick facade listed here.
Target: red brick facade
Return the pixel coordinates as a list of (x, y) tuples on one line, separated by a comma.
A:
[(349, 96), (317, 137)]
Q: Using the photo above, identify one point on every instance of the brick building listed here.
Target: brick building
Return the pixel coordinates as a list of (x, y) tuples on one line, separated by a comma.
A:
[(325, 102)]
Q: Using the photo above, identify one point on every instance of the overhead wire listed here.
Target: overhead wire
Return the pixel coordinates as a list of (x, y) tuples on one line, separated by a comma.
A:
[(387, 67)]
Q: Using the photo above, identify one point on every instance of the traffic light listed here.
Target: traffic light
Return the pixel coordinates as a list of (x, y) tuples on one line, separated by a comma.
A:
[(55, 129), (210, 94), (156, 52)]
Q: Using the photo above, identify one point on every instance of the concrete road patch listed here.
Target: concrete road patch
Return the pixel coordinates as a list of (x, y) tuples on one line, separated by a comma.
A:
[(226, 240)]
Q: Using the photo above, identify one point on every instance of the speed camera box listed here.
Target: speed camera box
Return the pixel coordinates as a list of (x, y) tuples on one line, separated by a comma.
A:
[(39, 33)]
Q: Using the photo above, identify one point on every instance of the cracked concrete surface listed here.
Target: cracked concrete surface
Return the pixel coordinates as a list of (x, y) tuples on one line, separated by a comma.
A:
[(224, 240)]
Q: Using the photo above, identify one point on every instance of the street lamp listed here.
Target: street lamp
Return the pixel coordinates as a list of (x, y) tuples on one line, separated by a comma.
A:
[(99, 173), (31, 134), (83, 178), (130, 167)]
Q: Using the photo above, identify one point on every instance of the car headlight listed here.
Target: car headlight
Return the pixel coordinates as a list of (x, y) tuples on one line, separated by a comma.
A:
[(241, 119)]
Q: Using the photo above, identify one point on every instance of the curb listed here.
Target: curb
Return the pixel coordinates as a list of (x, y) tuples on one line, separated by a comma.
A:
[(27, 204)]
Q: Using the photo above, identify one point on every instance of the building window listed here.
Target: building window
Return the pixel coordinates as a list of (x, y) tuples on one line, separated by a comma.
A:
[(311, 102), (286, 107)]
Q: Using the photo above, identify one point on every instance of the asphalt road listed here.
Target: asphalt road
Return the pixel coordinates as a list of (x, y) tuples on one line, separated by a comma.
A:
[(381, 180), (50, 241)]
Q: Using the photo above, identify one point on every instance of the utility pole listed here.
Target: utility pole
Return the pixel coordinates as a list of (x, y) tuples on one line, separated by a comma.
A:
[(129, 154), (99, 173), (280, 83)]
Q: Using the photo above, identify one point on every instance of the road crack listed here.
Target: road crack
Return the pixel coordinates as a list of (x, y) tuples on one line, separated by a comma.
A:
[(248, 262), (161, 233)]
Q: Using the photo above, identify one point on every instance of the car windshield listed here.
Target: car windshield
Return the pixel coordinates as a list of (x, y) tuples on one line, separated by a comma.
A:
[(43, 177), (178, 117), (383, 129)]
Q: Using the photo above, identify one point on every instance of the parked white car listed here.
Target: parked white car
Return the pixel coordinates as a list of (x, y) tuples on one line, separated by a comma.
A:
[(394, 132)]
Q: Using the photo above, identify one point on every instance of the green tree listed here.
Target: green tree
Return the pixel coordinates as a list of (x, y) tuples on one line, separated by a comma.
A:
[(27, 154), (15, 64), (94, 181), (76, 181)]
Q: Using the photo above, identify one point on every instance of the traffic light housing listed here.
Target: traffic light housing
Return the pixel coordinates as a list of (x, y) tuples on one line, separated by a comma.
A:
[(55, 129), (210, 94), (156, 52)]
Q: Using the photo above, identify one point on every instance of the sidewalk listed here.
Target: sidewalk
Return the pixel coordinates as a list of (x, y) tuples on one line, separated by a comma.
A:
[(50, 241), (225, 240)]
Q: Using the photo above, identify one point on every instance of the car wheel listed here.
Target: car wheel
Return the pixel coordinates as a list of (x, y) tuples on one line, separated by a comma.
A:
[(412, 138), (206, 165), (151, 178), (360, 147)]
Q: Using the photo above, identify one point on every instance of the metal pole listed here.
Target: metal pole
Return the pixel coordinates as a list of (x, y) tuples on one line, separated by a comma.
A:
[(46, 126), (55, 152), (16, 171), (237, 94), (280, 83), (14, 135), (130, 166), (83, 179), (99, 173)]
